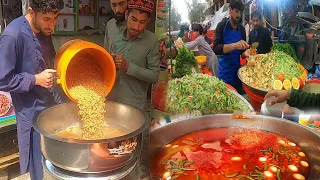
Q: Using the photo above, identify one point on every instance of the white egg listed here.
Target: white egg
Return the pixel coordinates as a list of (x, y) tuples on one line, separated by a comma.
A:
[(292, 144), (299, 176), (273, 169), (302, 154), (304, 164), (175, 146), (268, 174), (262, 159), (293, 168), (236, 158)]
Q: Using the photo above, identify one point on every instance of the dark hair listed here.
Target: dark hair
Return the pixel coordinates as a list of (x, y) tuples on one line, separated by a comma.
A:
[(47, 6), (205, 31), (256, 14), (237, 4), (198, 28), (141, 12), (186, 28)]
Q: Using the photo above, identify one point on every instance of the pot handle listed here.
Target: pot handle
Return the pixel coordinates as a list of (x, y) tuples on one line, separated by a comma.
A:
[(56, 79)]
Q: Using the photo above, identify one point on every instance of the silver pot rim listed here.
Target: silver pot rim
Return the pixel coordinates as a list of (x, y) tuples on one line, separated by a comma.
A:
[(259, 90), (78, 141)]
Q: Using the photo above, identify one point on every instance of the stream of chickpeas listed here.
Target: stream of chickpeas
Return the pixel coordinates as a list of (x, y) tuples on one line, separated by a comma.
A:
[(85, 82)]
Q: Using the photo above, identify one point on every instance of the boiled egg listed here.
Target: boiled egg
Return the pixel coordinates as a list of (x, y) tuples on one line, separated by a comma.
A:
[(262, 159), (166, 175), (236, 158), (273, 169), (268, 174), (292, 144), (302, 154), (281, 141), (293, 168), (299, 176), (175, 146), (304, 164)]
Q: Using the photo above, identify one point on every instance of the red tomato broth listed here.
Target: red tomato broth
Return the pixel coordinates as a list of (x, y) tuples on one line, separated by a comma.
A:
[(212, 151)]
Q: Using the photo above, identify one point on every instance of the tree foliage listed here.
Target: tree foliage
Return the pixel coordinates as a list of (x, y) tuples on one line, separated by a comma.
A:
[(196, 11), (175, 18)]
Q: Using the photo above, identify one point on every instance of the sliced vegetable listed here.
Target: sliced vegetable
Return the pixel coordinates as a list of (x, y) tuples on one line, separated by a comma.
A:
[(231, 175), (286, 48), (278, 174), (265, 166), (281, 77), (295, 83), (287, 84), (245, 176), (209, 96), (277, 85), (197, 177), (244, 166)]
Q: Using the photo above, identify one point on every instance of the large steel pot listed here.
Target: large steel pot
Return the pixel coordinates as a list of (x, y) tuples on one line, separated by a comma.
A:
[(259, 91), (165, 131), (90, 156)]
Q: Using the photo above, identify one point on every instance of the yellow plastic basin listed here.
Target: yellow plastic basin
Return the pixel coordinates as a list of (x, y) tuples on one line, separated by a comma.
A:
[(76, 48)]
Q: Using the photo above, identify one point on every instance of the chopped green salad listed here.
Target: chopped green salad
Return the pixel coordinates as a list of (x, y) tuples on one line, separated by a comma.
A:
[(200, 92), (286, 64), (286, 48)]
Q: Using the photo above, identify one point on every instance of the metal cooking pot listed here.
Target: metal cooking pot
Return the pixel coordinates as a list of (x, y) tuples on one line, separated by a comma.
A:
[(306, 138), (259, 91), (91, 156)]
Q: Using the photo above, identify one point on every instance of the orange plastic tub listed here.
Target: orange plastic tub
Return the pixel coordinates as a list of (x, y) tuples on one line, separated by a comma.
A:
[(76, 48), (256, 100)]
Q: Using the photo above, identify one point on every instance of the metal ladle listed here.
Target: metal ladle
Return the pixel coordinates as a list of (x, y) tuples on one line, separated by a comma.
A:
[(251, 61)]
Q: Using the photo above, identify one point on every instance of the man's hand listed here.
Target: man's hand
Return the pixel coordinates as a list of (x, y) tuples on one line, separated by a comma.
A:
[(45, 78), (120, 62), (287, 110), (241, 45), (280, 96), (246, 54)]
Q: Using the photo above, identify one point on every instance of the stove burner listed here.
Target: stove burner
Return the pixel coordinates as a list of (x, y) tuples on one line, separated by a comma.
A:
[(129, 172)]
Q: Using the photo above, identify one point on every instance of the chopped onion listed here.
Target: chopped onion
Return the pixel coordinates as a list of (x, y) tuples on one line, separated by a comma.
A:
[(299, 176), (304, 164), (268, 174), (236, 158), (273, 169), (302, 154), (293, 168), (262, 159), (292, 144)]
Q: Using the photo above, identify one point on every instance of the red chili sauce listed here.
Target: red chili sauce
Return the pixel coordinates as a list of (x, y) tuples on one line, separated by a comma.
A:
[(230, 153)]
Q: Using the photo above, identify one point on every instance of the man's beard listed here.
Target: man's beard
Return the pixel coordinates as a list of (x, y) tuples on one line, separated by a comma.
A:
[(119, 18), (235, 20), (35, 25), (135, 33)]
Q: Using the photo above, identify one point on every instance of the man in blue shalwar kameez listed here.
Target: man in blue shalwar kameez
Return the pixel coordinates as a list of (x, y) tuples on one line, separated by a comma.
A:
[(25, 74)]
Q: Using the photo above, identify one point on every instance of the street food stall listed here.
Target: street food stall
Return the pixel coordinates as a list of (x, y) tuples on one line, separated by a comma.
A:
[(198, 143)]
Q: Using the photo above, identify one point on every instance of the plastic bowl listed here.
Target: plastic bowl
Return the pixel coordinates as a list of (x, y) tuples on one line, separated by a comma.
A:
[(201, 60)]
